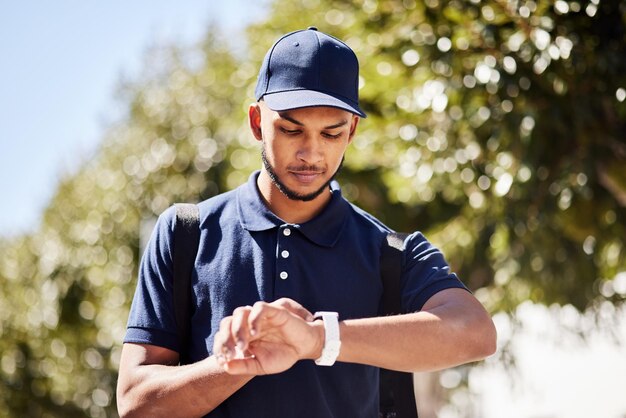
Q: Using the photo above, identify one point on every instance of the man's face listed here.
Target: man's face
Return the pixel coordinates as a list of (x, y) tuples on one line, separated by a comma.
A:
[(303, 148)]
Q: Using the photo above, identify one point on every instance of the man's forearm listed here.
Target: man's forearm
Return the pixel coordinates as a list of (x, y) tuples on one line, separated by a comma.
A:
[(442, 335), (158, 390), (453, 328)]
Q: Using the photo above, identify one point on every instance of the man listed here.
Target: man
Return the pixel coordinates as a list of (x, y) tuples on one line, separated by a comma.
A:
[(279, 248)]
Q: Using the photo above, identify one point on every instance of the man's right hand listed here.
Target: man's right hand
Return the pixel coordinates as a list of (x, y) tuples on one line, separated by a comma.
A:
[(267, 338)]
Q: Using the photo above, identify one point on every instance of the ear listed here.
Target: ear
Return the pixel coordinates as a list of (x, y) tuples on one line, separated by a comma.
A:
[(254, 120), (353, 124)]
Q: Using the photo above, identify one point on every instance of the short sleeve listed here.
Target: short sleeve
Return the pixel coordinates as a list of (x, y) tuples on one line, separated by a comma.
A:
[(151, 319), (425, 272)]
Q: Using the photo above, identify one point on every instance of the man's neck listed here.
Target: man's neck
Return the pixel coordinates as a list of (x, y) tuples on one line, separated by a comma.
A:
[(289, 210)]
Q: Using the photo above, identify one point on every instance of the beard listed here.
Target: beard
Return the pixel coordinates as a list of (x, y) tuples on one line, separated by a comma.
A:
[(289, 193)]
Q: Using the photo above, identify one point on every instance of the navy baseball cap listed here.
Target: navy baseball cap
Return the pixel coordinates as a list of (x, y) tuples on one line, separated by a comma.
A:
[(309, 68)]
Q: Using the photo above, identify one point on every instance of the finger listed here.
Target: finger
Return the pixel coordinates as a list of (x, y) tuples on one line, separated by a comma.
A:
[(244, 366), (223, 343), (264, 315), (240, 330), (295, 308), (255, 317)]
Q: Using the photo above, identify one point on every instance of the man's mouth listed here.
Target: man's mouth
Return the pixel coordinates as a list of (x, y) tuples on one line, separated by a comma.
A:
[(306, 176)]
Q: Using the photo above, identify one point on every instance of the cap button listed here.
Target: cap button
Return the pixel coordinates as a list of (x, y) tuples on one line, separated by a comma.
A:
[(312, 28)]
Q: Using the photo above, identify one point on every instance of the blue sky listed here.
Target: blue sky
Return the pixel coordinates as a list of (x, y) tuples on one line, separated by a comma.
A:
[(59, 65)]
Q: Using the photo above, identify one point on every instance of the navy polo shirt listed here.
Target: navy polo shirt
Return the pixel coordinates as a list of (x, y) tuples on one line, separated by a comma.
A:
[(247, 254)]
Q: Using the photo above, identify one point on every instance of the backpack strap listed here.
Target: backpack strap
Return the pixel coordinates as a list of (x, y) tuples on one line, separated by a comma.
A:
[(396, 391), (391, 260), (186, 240)]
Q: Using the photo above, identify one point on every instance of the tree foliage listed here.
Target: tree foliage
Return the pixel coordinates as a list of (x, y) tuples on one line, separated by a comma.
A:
[(496, 127)]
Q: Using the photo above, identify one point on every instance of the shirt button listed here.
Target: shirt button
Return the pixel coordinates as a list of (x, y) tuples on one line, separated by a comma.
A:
[(285, 253), (284, 275), (286, 232)]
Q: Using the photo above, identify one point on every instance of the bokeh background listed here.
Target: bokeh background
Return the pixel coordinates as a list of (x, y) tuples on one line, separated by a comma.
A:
[(497, 127)]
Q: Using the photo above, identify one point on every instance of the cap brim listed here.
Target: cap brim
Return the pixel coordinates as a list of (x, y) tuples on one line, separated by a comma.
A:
[(296, 99)]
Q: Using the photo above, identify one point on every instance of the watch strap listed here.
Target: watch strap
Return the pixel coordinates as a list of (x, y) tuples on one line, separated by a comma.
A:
[(332, 341)]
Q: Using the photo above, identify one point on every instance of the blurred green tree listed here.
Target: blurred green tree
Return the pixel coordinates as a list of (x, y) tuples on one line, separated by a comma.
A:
[(66, 289), (496, 127)]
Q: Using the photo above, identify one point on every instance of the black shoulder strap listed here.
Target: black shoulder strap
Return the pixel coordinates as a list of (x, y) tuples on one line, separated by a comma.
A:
[(391, 270), (397, 395), (186, 239)]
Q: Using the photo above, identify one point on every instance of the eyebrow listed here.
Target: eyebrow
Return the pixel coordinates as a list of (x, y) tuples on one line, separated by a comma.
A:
[(285, 115)]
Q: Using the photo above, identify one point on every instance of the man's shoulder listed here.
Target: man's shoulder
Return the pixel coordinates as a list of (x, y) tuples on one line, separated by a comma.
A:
[(215, 204), (364, 219), (218, 202)]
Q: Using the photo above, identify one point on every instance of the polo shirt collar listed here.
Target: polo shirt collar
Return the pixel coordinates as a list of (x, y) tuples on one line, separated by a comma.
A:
[(323, 230), (254, 215)]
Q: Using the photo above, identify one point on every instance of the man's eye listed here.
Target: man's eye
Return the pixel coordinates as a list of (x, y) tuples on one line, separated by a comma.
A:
[(290, 131), (332, 136)]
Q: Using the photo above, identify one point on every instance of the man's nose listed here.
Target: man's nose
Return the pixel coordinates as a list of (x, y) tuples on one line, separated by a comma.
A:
[(311, 150)]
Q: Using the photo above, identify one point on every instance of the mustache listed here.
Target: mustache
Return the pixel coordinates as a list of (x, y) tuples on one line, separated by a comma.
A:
[(306, 168)]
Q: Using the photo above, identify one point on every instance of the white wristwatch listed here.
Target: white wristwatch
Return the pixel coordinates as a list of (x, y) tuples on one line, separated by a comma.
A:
[(332, 343)]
